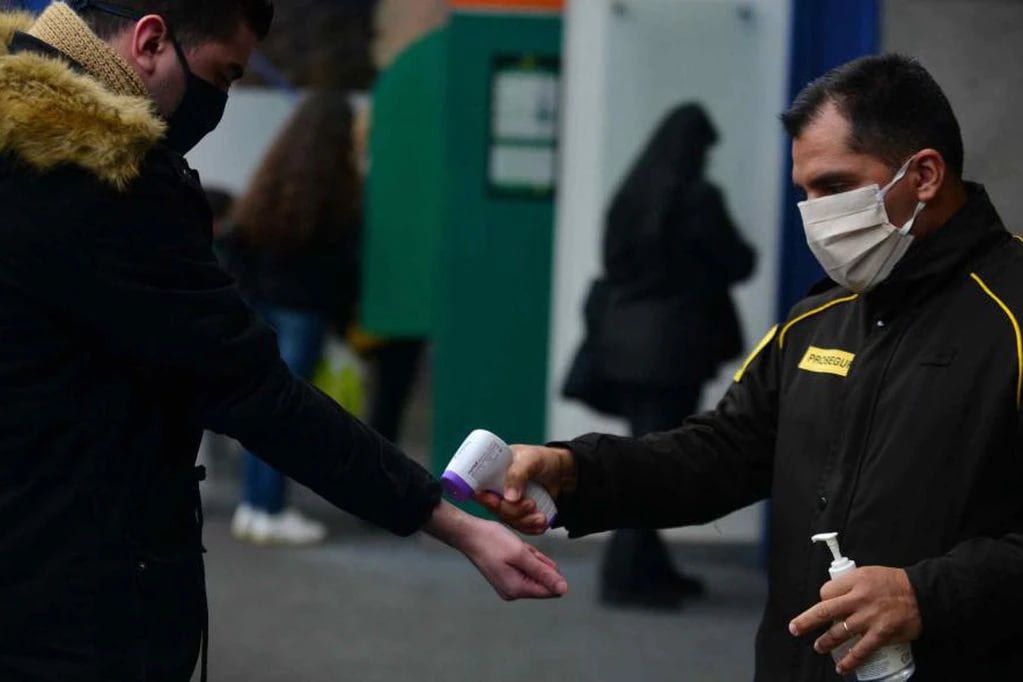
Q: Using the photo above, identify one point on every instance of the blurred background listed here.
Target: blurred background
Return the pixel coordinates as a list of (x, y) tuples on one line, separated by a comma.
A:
[(452, 182)]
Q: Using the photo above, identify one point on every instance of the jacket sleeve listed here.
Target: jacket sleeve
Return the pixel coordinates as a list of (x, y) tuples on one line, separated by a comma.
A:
[(149, 294), (972, 595), (715, 463)]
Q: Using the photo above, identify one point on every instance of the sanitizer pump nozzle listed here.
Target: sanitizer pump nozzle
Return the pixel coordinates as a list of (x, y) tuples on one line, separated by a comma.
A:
[(481, 464), (841, 564), (892, 663)]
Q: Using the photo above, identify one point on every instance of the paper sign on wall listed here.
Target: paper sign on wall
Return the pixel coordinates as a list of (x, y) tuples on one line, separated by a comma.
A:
[(524, 125)]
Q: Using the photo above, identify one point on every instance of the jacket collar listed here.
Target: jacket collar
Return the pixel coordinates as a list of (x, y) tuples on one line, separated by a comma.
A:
[(974, 228), (951, 245), (932, 261), (52, 114), (23, 42), (61, 27)]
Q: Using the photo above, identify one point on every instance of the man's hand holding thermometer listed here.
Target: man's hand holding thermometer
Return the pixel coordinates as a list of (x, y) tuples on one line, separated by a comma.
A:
[(518, 483)]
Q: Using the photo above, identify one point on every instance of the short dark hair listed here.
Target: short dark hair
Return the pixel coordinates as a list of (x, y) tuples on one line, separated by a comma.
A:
[(893, 105), (193, 21)]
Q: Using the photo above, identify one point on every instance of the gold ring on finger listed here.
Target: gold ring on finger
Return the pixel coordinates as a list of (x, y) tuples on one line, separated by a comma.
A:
[(847, 630)]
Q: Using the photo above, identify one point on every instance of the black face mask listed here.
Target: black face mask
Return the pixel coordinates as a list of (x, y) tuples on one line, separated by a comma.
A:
[(200, 110), (203, 103)]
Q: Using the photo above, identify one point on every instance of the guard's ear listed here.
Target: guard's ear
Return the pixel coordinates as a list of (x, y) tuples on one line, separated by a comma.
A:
[(928, 172)]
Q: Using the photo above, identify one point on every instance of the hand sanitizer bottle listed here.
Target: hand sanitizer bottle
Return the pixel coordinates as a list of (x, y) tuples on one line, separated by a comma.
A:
[(892, 663)]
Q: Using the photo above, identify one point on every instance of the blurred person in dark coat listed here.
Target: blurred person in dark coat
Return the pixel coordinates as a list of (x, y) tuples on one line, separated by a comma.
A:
[(661, 321), (294, 247)]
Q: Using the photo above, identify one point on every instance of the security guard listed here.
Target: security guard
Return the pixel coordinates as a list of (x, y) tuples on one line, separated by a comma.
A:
[(886, 406)]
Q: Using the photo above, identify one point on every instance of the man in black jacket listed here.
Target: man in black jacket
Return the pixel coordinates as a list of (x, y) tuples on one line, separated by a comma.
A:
[(121, 339), (886, 407)]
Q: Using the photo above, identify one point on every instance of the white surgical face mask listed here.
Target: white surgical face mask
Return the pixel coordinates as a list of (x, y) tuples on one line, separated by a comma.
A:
[(852, 238)]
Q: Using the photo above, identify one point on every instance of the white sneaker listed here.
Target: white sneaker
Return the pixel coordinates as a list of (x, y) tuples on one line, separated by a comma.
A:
[(241, 522), (289, 527)]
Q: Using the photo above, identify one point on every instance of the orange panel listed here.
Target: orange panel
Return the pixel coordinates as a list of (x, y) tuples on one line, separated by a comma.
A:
[(521, 5)]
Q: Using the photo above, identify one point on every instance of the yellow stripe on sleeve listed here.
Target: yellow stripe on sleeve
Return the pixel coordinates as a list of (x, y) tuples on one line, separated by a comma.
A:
[(756, 351), (1015, 328)]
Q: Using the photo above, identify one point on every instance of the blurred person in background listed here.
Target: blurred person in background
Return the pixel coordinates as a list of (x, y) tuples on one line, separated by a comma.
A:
[(294, 248), (661, 322), (123, 339)]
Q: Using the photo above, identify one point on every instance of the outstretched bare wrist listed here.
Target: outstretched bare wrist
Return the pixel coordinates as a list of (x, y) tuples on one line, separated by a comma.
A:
[(451, 525)]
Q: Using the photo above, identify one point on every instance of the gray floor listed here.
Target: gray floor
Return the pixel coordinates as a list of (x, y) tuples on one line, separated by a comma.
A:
[(369, 607)]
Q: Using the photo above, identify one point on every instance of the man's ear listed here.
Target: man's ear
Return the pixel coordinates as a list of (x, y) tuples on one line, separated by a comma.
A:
[(930, 174), (149, 41)]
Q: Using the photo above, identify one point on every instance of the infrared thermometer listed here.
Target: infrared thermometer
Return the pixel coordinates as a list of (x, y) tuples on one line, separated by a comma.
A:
[(481, 464)]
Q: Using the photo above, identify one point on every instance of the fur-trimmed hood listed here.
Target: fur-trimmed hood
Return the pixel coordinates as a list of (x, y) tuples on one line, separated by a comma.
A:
[(51, 115)]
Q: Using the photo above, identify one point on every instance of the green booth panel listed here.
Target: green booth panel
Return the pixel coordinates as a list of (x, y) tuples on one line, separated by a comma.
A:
[(494, 283), (406, 192)]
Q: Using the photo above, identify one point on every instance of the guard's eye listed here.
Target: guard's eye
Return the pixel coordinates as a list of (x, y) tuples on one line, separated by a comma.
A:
[(835, 188)]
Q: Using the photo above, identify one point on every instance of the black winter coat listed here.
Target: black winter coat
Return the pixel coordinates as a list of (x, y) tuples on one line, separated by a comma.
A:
[(661, 318), (671, 252), (892, 418), (668, 319), (120, 340)]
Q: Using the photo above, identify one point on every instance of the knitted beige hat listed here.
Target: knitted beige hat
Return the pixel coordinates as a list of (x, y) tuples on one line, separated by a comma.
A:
[(60, 27)]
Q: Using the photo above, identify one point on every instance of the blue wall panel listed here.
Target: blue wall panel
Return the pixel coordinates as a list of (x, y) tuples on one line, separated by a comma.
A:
[(825, 33)]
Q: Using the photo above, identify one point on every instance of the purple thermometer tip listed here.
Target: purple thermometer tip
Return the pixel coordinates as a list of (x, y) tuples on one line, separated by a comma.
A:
[(455, 486)]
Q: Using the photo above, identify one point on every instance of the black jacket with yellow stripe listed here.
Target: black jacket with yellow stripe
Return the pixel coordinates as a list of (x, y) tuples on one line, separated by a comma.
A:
[(892, 418)]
